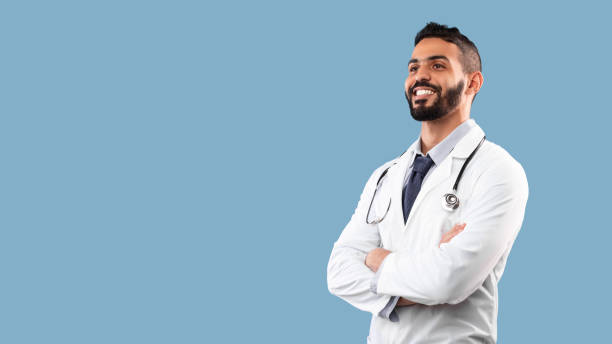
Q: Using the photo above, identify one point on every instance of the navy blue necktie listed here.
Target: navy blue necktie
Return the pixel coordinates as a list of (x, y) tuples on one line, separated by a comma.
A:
[(421, 165)]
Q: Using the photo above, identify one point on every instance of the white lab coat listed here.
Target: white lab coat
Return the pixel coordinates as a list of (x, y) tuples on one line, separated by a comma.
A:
[(456, 284)]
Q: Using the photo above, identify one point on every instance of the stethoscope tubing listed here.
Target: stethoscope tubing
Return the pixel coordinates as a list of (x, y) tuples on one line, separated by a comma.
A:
[(451, 199), (467, 161)]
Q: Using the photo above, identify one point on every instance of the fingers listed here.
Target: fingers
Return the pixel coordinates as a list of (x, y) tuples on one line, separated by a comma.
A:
[(405, 302), (375, 257), (454, 231), (446, 237), (458, 227)]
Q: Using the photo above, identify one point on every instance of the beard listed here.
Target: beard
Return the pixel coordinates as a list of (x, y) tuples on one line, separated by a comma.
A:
[(441, 107)]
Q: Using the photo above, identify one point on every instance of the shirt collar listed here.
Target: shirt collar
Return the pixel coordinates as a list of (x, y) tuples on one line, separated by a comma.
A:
[(442, 149)]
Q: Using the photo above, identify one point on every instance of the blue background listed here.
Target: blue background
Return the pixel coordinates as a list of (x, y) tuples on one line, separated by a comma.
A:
[(177, 172)]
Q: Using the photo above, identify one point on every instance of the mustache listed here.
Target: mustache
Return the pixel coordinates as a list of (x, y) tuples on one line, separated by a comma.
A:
[(438, 89)]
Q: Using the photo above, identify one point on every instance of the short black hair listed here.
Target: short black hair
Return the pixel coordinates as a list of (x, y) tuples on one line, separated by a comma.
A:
[(470, 58)]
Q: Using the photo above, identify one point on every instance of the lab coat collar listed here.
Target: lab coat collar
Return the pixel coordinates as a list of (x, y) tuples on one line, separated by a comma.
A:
[(444, 147), (461, 150), (466, 146)]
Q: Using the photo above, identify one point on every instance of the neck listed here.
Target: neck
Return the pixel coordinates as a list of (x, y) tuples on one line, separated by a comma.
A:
[(433, 132)]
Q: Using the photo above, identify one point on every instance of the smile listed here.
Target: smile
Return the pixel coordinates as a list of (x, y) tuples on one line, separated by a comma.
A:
[(422, 93)]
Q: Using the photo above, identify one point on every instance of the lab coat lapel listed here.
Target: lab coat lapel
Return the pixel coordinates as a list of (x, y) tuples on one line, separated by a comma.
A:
[(443, 172), (398, 184)]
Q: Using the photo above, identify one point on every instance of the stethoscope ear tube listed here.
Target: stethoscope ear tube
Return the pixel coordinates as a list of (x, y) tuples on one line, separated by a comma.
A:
[(378, 220), (466, 163), (382, 175)]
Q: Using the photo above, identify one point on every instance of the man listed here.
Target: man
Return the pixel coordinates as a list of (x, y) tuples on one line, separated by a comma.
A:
[(422, 252)]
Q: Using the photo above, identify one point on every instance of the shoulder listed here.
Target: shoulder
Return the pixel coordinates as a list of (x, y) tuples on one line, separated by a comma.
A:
[(498, 159), (497, 166)]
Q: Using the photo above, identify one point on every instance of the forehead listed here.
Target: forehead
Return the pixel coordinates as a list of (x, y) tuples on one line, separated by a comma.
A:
[(436, 46)]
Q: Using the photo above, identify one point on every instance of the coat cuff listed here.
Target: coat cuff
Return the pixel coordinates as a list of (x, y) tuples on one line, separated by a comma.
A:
[(388, 312), (374, 281)]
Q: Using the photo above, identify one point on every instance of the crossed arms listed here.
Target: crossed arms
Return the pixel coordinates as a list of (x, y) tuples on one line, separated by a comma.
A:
[(375, 258)]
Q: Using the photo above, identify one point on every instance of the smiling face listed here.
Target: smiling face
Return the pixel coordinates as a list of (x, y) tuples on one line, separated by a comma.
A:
[(436, 80)]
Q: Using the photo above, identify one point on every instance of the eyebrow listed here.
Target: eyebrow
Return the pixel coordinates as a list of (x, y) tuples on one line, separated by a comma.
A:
[(434, 57)]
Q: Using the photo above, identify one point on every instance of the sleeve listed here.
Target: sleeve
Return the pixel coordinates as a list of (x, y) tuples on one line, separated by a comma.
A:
[(347, 275), (452, 272), (389, 311)]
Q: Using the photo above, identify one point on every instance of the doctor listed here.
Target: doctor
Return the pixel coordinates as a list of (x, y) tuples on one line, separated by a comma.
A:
[(429, 239)]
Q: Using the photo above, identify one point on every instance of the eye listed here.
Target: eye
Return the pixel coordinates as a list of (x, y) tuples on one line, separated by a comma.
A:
[(438, 66), (412, 69)]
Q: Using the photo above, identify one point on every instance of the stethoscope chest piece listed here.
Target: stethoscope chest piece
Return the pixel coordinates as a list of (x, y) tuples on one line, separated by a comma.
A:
[(451, 201)]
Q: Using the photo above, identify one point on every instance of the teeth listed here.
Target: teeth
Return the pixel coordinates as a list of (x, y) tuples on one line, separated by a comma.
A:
[(422, 92)]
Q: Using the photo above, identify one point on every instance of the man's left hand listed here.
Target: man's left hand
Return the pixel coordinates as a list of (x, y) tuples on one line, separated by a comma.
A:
[(375, 258)]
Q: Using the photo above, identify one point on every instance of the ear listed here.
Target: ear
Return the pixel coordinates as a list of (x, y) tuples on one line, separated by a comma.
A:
[(474, 84)]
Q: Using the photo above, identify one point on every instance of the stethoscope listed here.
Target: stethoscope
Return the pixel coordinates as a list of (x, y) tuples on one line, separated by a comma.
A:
[(450, 200)]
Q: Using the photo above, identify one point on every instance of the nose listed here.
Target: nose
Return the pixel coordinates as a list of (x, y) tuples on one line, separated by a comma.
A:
[(421, 74)]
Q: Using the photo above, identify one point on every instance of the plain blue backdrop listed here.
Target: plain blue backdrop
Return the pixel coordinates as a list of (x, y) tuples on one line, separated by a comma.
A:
[(177, 171)]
